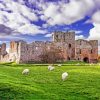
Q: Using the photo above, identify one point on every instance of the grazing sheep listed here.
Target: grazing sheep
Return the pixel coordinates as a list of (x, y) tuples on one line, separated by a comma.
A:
[(51, 68), (64, 75), (59, 65), (77, 64), (91, 64), (25, 72)]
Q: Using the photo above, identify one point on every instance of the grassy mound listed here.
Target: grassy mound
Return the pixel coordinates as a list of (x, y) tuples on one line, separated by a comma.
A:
[(82, 83)]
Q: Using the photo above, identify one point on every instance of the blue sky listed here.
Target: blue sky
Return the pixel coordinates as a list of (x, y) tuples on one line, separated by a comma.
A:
[(35, 20)]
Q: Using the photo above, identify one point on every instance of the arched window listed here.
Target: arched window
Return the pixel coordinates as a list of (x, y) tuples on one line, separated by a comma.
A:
[(69, 45), (80, 42), (78, 58), (91, 51), (68, 58), (57, 36), (80, 51)]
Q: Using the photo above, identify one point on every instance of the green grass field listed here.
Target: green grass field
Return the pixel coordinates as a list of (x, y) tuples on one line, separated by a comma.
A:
[(83, 82)]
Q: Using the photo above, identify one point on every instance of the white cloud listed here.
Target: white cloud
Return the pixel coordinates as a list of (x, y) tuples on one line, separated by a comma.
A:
[(19, 18), (53, 13), (44, 25), (48, 35), (66, 13), (96, 17), (79, 37), (11, 37), (95, 31), (42, 17), (20, 9), (78, 32), (32, 29)]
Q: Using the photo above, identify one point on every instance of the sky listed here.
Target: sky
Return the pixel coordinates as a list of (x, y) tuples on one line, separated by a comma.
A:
[(35, 20)]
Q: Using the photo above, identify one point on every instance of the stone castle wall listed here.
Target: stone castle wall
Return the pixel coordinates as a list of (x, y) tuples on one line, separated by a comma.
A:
[(22, 52), (69, 39), (86, 50)]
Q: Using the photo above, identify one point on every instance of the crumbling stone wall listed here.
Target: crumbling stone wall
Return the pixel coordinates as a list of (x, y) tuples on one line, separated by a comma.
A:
[(3, 49), (22, 52), (3, 53), (86, 50), (31, 52), (14, 51)]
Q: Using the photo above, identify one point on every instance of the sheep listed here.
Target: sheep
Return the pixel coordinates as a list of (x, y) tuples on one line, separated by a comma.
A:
[(64, 75), (91, 64), (50, 67), (25, 72), (59, 65), (77, 64)]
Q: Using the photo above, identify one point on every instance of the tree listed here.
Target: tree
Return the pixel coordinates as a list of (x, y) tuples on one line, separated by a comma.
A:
[(52, 55)]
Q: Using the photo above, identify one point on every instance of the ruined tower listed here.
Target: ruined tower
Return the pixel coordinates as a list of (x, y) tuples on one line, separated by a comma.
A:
[(69, 39), (14, 50), (3, 49), (3, 53)]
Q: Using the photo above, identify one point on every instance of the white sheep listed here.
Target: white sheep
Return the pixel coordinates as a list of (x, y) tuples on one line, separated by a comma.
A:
[(91, 64), (64, 75), (25, 72), (77, 64), (59, 65), (51, 68)]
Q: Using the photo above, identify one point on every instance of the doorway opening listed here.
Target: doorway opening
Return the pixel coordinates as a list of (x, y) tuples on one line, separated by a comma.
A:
[(68, 58), (86, 59)]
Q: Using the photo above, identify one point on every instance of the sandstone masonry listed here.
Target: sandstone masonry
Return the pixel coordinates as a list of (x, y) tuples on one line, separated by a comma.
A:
[(22, 52)]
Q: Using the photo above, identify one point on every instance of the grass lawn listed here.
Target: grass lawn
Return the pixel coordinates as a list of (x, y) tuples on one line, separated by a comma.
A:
[(83, 82)]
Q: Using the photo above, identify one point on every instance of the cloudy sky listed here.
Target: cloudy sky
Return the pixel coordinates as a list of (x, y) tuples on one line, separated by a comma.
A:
[(32, 20)]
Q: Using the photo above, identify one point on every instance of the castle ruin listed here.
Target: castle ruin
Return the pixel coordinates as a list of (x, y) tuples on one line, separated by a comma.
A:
[(22, 52)]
